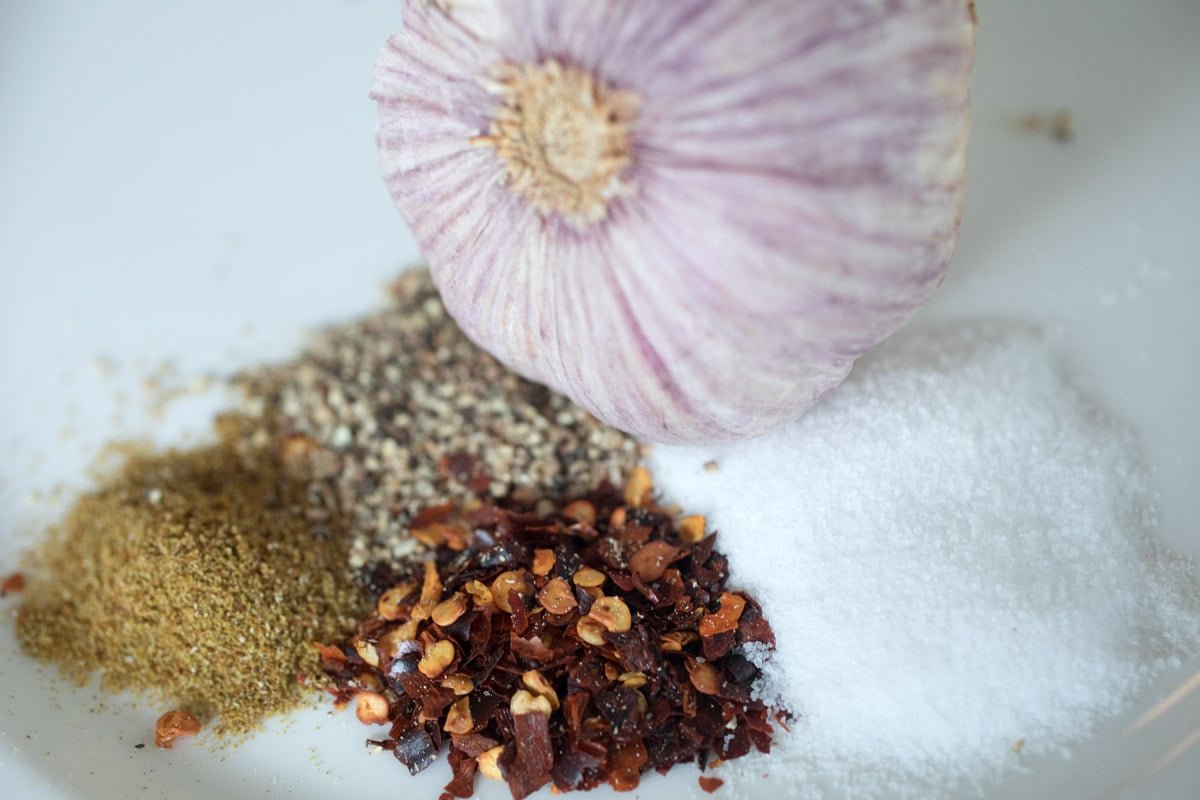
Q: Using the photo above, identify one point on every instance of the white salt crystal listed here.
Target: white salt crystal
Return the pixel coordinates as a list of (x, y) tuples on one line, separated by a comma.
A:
[(953, 549)]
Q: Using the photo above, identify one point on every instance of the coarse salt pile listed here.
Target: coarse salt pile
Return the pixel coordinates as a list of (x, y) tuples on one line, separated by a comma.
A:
[(955, 550)]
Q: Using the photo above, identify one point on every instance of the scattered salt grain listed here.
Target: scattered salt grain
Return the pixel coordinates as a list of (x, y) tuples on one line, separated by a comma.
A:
[(955, 551)]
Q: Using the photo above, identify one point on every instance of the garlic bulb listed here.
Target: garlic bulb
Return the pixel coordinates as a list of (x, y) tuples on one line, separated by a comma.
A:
[(689, 216)]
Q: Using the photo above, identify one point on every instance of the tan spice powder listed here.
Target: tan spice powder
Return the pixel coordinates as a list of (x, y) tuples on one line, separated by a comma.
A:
[(196, 577)]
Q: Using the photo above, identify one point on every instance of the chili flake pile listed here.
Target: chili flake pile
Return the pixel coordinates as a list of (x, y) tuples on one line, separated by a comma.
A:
[(579, 648)]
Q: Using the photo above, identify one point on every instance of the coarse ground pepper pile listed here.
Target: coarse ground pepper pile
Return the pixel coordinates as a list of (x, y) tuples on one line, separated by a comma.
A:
[(401, 411), (197, 577)]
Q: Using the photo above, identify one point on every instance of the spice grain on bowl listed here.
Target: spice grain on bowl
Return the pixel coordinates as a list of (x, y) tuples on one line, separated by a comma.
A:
[(559, 661)]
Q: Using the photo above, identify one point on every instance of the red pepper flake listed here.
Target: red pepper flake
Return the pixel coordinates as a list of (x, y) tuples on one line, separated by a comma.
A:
[(627, 762), (651, 561), (12, 584), (726, 618), (710, 785), (526, 764), (561, 689), (329, 655), (463, 766), (173, 725)]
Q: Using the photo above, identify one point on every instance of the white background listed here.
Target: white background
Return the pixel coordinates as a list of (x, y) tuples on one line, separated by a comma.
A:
[(185, 187)]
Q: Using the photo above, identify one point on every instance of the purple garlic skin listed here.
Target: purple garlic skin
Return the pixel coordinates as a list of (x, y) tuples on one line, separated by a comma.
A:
[(689, 217)]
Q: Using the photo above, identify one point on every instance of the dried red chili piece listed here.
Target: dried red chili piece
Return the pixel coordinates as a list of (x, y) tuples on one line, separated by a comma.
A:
[(12, 584), (652, 559), (174, 725), (330, 654), (611, 554), (626, 762), (624, 581), (587, 675), (718, 644), (740, 670), (621, 709), (573, 709), (533, 649), (585, 598), (725, 619), (753, 627), (735, 692), (402, 665), (711, 574), (503, 556), (463, 767), (479, 632), (639, 650), (415, 749), (431, 514), (710, 785), (520, 613), (760, 730), (702, 551), (567, 561), (528, 767), (690, 732), (435, 700), (633, 537), (571, 769), (473, 744), (670, 587)]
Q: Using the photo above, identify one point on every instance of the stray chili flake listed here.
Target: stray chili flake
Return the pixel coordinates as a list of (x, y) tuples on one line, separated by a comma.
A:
[(12, 584), (173, 725), (599, 642), (710, 785)]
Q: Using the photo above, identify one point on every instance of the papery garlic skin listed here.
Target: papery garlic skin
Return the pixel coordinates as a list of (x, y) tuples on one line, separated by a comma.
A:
[(792, 196)]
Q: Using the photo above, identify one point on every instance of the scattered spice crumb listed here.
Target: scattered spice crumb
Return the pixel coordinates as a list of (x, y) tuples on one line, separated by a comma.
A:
[(1018, 746), (104, 367), (1062, 126), (711, 466), (174, 725), (710, 784), (1059, 125)]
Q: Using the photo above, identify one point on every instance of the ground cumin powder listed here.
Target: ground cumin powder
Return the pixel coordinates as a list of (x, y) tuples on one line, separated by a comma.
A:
[(197, 577)]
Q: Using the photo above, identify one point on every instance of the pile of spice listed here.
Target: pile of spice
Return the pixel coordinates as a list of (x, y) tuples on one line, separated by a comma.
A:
[(961, 537), (197, 577), (402, 411), (577, 648)]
